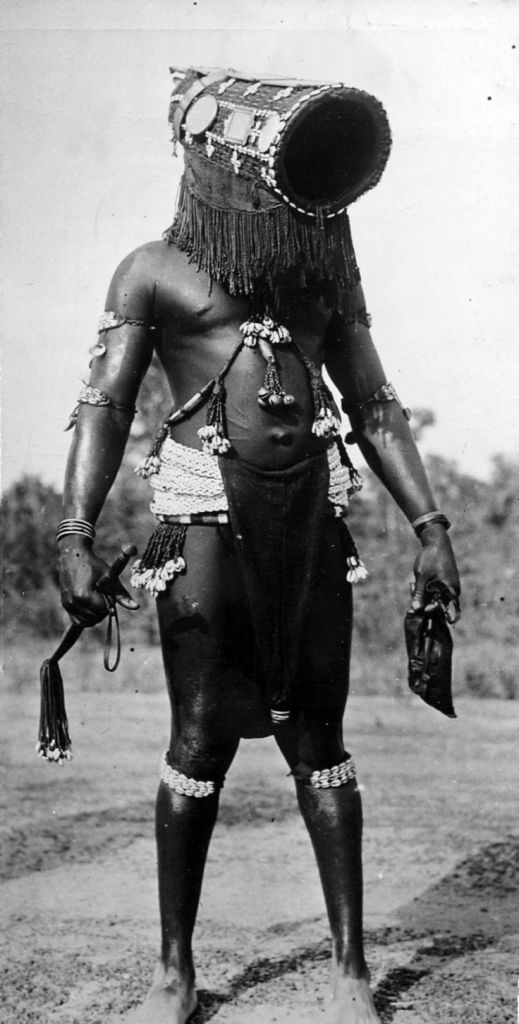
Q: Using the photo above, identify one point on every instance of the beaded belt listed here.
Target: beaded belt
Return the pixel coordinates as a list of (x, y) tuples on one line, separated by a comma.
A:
[(196, 518)]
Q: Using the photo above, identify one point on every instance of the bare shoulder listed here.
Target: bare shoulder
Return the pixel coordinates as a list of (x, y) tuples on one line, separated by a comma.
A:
[(136, 278), (152, 277)]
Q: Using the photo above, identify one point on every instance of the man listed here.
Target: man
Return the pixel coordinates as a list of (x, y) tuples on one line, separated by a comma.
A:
[(252, 291)]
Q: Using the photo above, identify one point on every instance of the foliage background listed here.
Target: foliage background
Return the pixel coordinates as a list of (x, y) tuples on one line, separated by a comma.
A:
[(485, 534)]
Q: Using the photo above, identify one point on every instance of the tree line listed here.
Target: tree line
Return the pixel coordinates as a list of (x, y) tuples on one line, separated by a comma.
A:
[(485, 532)]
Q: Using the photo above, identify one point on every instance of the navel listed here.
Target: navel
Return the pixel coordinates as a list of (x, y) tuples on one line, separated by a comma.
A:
[(281, 436)]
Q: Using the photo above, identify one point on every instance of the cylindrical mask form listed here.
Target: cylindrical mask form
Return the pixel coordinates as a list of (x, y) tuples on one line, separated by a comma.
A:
[(271, 166)]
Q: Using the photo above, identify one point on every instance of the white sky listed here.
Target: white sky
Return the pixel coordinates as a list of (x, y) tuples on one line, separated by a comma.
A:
[(87, 175)]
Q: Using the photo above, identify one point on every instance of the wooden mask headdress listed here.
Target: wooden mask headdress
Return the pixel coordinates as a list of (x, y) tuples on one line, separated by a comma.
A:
[(271, 166)]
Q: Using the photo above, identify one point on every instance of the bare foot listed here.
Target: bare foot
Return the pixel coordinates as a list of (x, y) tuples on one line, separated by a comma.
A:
[(169, 1001), (352, 1002)]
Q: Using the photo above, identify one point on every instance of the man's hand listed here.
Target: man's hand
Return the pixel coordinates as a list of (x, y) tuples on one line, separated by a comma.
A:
[(79, 572), (435, 561)]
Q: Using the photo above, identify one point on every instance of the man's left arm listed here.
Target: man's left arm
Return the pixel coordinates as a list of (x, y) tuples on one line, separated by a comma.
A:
[(382, 432)]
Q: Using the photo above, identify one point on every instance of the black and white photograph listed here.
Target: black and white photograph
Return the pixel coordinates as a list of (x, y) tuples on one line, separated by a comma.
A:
[(260, 511)]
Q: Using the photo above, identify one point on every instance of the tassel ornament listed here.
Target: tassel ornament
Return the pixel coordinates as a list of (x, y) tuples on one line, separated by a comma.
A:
[(326, 423), (162, 558), (263, 332), (212, 435), (272, 392), (356, 571), (356, 480), (151, 463)]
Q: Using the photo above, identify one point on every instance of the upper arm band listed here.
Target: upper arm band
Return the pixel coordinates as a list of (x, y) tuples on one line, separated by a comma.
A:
[(109, 320), (385, 393), (90, 395)]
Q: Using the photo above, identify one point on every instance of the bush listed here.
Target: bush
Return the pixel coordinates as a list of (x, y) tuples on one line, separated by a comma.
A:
[(485, 534)]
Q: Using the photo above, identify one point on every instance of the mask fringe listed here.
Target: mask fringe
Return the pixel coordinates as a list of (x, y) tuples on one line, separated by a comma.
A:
[(249, 253)]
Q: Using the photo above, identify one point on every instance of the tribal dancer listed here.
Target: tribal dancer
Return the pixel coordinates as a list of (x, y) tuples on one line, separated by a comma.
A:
[(252, 290)]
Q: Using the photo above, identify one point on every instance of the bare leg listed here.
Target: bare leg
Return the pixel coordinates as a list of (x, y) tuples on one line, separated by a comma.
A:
[(184, 825), (193, 618), (333, 818)]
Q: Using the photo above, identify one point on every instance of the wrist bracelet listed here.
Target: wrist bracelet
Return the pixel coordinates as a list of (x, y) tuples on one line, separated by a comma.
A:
[(75, 526), (427, 520)]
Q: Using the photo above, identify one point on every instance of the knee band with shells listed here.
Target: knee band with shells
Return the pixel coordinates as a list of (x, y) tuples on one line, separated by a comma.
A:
[(180, 783), (330, 778)]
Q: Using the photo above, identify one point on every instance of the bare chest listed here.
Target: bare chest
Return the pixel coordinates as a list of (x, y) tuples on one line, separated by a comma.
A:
[(199, 333)]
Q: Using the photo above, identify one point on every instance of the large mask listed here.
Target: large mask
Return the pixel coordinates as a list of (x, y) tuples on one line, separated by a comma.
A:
[(271, 166)]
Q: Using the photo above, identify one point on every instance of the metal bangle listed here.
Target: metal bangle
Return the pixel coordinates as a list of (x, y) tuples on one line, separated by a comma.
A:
[(79, 527), (428, 519)]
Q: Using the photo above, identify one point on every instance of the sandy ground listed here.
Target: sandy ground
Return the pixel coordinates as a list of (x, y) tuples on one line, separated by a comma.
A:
[(78, 889)]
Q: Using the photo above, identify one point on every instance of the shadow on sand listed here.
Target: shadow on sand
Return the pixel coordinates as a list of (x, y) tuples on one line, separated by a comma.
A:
[(481, 885)]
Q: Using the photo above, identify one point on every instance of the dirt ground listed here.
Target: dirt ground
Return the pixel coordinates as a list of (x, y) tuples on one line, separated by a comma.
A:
[(78, 889)]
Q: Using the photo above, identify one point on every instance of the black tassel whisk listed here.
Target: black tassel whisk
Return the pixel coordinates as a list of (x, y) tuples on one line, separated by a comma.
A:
[(54, 741), (53, 735)]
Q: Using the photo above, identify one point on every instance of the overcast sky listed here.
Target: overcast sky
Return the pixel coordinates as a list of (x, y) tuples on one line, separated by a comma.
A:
[(88, 175)]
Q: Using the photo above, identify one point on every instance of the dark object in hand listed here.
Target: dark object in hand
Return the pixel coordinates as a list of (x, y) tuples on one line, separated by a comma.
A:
[(53, 735), (429, 649)]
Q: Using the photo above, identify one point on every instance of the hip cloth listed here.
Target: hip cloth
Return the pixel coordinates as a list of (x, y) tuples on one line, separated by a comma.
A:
[(291, 560)]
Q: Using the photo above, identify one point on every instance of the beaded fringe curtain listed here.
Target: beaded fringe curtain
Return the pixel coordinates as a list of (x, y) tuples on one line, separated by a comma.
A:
[(270, 169)]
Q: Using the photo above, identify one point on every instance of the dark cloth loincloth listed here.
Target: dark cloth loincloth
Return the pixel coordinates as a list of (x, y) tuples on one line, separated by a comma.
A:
[(257, 615), (278, 518)]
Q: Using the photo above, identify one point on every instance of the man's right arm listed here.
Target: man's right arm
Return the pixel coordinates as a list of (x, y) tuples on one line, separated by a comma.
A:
[(119, 363)]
